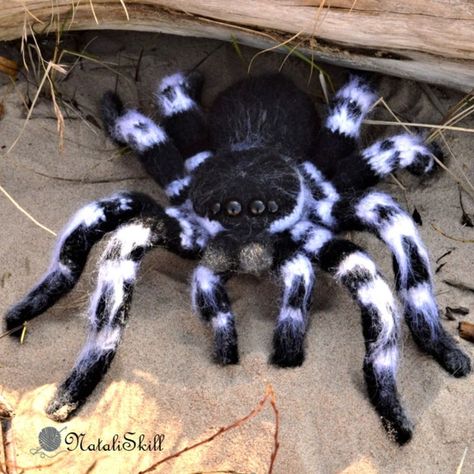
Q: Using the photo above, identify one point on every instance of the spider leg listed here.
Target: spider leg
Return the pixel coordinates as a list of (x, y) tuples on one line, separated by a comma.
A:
[(177, 98), (86, 228), (110, 304), (361, 170), (354, 269), (380, 214), (210, 300), (288, 338), (154, 148), (339, 136)]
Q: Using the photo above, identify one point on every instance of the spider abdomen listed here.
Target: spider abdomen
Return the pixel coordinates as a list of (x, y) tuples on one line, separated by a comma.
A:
[(264, 111)]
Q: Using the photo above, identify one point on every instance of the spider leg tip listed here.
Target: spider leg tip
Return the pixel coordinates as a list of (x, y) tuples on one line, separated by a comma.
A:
[(60, 408)]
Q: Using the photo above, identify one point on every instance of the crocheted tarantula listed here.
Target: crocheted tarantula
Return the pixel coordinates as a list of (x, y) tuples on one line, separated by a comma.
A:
[(258, 186)]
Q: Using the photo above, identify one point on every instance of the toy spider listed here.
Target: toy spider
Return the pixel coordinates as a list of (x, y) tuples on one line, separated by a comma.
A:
[(259, 186)]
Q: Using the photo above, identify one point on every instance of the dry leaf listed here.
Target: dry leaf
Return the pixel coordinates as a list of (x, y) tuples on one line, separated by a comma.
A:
[(8, 67), (2, 110)]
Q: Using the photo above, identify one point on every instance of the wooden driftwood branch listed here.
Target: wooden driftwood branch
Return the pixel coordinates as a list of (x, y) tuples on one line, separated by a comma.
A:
[(466, 330), (429, 40)]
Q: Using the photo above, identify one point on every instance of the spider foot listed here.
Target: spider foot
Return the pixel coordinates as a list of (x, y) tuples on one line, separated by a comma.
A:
[(226, 350), (398, 427), (449, 356), (383, 394), (14, 320), (61, 406), (283, 360), (288, 350), (111, 107), (178, 92)]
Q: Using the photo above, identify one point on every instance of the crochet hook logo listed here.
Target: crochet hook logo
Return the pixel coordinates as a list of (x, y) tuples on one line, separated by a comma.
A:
[(49, 439)]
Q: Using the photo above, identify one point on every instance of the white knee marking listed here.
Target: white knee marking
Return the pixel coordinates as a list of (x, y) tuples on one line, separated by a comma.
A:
[(178, 100), (173, 80), (187, 232), (297, 266), (295, 315), (386, 359), (409, 146), (291, 219), (113, 274), (205, 279), (128, 237), (377, 293), (392, 230), (356, 260), (322, 207), (362, 95), (138, 131), (341, 120), (176, 186), (107, 339), (421, 296), (221, 321), (379, 160), (316, 239), (196, 161)]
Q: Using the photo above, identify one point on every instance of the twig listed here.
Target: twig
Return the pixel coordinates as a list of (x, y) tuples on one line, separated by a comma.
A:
[(269, 395), (26, 213), (459, 285), (465, 219), (459, 469), (419, 125), (457, 239), (6, 415), (466, 330), (445, 254)]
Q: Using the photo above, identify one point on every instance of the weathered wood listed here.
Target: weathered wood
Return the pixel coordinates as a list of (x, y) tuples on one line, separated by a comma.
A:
[(466, 330), (429, 40)]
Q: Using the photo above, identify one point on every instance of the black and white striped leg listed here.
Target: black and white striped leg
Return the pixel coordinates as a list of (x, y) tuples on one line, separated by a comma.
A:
[(154, 148), (380, 214), (110, 306), (86, 228), (288, 338), (380, 323), (210, 300), (399, 151), (177, 98), (362, 170), (338, 138)]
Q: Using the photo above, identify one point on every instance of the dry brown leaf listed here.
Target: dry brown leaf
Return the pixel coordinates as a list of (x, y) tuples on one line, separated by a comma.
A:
[(8, 67), (2, 110)]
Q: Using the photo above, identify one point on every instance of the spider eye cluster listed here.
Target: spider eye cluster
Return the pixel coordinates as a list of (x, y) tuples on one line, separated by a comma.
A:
[(234, 208)]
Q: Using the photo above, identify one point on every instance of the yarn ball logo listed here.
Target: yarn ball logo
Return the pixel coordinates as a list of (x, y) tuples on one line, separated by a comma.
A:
[(49, 440)]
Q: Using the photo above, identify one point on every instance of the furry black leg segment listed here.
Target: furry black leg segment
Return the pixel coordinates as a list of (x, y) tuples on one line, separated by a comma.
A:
[(110, 306), (177, 98), (380, 324), (154, 148), (86, 228), (288, 338), (380, 214), (360, 171), (210, 300), (338, 138)]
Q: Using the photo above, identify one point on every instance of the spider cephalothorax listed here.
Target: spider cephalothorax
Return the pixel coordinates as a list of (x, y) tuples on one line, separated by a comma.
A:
[(256, 186)]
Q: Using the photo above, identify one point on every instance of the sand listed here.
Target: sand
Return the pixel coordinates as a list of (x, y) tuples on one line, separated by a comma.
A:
[(163, 380)]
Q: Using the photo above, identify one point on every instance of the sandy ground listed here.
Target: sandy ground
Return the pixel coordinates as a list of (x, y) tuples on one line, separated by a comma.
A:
[(163, 380)]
